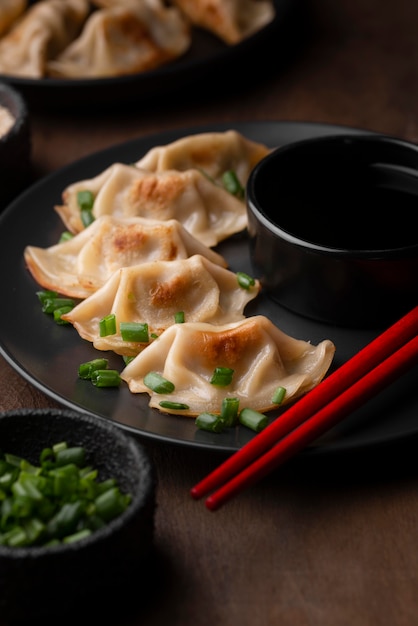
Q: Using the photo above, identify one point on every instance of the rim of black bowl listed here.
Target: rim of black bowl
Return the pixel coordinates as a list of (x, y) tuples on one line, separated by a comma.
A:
[(139, 497), (253, 204)]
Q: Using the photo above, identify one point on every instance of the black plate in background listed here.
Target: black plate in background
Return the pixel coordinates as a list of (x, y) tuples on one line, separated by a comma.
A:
[(209, 65), (49, 355)]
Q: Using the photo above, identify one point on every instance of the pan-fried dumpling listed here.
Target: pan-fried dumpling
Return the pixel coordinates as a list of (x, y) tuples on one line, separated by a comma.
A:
[(124, 39), (206, 210), (79, 266), (261, 356), (213, 153), (10, 11), (230, 20), (152, 293), (44, 30)]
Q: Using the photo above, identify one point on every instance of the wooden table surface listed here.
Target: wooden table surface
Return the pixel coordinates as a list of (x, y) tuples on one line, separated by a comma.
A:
[(324, 543)]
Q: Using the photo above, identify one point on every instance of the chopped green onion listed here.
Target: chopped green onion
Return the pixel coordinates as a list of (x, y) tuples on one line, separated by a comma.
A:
[(229, 411), (253, 419), (86, 369), (85, 200), (232, 184), (107, 325), (210, 422), (176, 406), (157, 383), (222, 376), (127, 359), (58, 501), (134, 331), (65, 236), (58, 313), (47, 294), (244, 280), (105, 378), (50, 305), (179, 317), (154, 336), (278, 395), (87, 217)]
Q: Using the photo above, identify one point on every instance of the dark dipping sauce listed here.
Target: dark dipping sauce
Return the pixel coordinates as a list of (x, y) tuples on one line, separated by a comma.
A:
[(357, 207), (331, 226)]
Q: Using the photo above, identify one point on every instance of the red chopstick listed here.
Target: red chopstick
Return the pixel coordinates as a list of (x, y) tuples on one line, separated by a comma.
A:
[(370, 370)]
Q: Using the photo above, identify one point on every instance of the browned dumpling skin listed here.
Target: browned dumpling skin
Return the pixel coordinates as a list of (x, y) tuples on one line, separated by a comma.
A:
[(206, 210), (44, 30), (261, 356), (80, 266), (230, 20), (213, 153), (124, 39), (154, 292), (10, 11)]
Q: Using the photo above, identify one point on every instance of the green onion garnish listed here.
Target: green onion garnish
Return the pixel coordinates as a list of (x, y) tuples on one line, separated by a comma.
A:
[(179, 317), (134, 331), (176, 406), (50, 304), (87, 217), (60, 500), (157, 383), (210, 422), (107, 325), (244, 280), (86, 369), (85, 200), (105, 378), (278, 395), (253, 419), (222, 376), (232, 184), (229, 411), (65, 236), (58, 313)]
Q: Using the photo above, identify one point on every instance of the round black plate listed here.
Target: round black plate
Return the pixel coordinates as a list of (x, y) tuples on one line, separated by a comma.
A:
[(209, 62), (48, 355)]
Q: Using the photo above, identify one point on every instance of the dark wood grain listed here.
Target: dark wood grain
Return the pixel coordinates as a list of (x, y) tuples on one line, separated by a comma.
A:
[(316, 544)]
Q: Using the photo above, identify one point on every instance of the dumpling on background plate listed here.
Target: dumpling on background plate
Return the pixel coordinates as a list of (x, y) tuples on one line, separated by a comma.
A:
[(214, 153), (126, 38), (261, 356), (44, 30), (153, 293), (230, 20), (81, 265), (206, 210), (10, 11)]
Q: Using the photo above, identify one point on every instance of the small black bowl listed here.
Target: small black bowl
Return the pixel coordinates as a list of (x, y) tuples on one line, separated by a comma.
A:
[(332, 228), (96, 574), (15, 146)]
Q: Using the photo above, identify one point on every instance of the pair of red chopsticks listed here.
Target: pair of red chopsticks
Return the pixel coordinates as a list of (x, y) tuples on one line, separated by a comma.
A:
[(369, 371)]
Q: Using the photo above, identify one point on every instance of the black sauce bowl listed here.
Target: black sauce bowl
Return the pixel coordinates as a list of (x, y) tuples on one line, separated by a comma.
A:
[(97, 575), (331, 222)]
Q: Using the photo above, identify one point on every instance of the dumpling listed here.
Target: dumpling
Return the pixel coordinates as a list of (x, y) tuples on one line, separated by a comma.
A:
[(44, 30), (206, 210), (261, 355), (152, 293), (230, 20), (124, 39), (214, 153), (10, 11), (81, 265)]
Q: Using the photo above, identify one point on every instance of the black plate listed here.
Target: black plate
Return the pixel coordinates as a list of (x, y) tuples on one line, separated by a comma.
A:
[(49, 355), (208, 62)]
